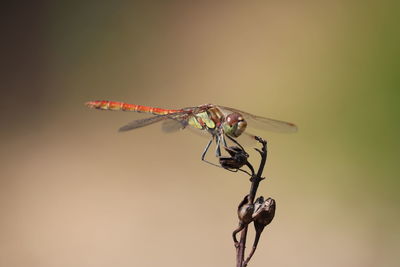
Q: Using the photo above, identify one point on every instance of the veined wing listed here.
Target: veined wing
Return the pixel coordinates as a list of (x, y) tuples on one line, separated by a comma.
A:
[(173, 125), (263, 123), (148, 121)]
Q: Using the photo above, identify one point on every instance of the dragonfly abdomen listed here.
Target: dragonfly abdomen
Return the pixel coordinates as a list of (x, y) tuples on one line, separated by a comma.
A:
[(114, 105)]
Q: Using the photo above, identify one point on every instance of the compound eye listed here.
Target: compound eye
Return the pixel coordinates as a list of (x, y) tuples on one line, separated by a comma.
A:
[(233, 118), (235, 124)]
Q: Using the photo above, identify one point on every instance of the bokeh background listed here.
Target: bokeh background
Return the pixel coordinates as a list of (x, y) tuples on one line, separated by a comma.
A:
[(74, 192)]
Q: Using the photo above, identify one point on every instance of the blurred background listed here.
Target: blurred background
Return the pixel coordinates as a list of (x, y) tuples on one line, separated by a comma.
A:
[(74, 192)]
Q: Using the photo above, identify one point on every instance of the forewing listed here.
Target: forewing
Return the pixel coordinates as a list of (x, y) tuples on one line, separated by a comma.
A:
[(247, 139), (141, 123), (173, 125), (263, 123), (148, 121)]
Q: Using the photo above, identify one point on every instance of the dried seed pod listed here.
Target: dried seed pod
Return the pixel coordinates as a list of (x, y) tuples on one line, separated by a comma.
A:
[(264, 213), (238, 158), (257, 203), (245, 211)]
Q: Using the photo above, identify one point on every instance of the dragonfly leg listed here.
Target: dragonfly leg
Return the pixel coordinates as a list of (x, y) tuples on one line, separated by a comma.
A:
[(203, 156), (218, 152), (206, 149), (223, 140), (236, 142), (218, 149)]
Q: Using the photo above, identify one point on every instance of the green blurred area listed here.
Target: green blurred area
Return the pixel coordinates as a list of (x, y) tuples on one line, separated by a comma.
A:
[(330, 67)]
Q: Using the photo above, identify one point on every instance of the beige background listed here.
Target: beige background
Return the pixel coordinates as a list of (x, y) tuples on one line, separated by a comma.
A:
[(74, 192)]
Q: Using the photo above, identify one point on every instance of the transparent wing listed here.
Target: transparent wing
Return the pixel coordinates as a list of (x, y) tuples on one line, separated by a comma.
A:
[(247, 139), (141, 123), (148, 121), (173, 125), (263, 123)]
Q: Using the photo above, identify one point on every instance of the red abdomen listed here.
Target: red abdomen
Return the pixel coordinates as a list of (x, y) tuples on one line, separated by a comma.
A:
[(113, 105)]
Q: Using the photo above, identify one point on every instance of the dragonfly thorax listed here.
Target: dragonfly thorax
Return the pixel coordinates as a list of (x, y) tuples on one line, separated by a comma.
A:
[(234, 124)]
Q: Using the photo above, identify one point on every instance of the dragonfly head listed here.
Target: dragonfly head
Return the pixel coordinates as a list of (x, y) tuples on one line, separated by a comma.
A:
[(234, 124)]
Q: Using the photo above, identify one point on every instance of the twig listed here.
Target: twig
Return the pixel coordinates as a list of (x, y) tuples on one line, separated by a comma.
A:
[(258, 212), (255, 181), (256, 239), (264, 212), (241, 248)]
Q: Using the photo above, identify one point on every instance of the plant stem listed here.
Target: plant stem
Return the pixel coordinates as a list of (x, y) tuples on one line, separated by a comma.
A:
[(255, 181)]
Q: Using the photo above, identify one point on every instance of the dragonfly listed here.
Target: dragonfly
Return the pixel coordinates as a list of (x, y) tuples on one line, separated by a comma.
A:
[(219, 121)]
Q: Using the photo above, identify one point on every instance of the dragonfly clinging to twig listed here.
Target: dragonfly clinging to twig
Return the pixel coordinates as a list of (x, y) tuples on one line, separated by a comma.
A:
[(221, 122)]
